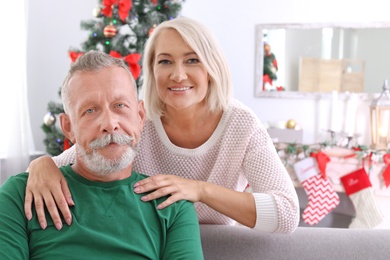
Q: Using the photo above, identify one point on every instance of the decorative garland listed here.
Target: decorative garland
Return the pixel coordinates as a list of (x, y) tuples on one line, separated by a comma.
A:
[(290, 153)]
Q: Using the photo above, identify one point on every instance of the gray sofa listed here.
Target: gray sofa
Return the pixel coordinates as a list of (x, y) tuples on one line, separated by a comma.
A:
[(311, 243)]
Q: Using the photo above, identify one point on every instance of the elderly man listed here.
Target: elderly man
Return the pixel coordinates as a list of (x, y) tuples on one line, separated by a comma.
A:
[(104, 119)]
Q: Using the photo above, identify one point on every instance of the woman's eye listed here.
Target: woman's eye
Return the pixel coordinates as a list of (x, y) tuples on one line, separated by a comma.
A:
[(193, 61), (164, 62)]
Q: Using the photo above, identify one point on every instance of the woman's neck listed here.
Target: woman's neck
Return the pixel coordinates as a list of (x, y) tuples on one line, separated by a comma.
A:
[(190, 128)]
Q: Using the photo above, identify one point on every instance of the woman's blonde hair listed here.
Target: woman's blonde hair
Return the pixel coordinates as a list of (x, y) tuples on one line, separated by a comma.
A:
[(204, 44)]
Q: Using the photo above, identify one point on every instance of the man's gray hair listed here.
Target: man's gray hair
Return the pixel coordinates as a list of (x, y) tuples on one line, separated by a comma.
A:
[(91, 61)]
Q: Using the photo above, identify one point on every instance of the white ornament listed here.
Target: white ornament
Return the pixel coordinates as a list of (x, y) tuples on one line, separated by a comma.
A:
[(49, 119)]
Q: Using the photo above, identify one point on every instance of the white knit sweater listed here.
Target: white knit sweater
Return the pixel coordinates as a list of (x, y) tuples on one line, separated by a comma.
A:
[(238, 152)]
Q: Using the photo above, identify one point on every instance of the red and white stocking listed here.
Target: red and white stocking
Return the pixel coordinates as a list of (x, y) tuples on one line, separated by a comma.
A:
[(322, 198), (357, 186)]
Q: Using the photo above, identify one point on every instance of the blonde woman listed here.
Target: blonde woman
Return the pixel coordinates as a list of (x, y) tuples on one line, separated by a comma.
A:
[(198, 143)]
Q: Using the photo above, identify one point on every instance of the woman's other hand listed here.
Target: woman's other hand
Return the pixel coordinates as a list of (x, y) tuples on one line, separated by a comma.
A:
[(46, 186)]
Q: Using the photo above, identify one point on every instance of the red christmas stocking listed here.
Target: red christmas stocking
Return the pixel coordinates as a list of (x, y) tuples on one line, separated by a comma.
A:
[(357, 186), (321, 195)]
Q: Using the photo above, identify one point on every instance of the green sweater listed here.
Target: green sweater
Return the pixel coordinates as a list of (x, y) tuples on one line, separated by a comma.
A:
[(109, 222)]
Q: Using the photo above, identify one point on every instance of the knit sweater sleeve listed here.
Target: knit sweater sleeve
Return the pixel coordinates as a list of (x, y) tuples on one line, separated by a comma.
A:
[(277, 205), (66, 157)]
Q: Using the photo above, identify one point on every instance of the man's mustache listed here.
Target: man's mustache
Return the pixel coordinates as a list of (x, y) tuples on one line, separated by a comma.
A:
[(111, 138)]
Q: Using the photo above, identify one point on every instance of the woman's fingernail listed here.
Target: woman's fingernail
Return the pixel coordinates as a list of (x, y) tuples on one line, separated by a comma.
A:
[(137, 189), (28, 216), (68, 221), (71, 202), (136, 185), (43, 225), (59, 226), (144, 198)]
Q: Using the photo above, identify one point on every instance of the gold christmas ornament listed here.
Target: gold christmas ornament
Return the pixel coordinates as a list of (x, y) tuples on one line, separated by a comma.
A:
[(49, 119), (109, 31), (291, 124)]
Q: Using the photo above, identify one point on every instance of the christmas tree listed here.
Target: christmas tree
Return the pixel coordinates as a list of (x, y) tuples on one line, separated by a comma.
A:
[(119, 28)]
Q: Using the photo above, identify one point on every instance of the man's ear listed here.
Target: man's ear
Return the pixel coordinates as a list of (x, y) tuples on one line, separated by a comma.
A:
[(141, 113), (66, 127)]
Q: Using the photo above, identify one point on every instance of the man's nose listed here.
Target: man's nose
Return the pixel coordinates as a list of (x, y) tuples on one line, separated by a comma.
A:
[(109, 122)]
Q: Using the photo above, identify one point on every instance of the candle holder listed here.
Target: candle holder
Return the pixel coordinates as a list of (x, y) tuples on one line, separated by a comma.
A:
[(380, 119), (332, 137), (349, 142)]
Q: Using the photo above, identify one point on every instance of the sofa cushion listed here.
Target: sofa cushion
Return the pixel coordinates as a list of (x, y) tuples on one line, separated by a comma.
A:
[(241, 243)]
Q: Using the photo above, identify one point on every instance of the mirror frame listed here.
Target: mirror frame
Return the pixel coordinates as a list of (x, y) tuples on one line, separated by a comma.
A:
[(259, 54)]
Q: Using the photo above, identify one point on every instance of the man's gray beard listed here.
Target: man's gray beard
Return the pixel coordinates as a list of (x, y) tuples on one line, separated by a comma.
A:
[(102, 166)]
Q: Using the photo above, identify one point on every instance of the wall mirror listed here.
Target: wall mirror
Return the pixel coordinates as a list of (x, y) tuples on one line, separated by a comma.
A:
[(363, 48)]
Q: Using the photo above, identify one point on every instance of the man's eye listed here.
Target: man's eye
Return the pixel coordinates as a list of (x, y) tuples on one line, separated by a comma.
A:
[(89, 111), (120, 105)]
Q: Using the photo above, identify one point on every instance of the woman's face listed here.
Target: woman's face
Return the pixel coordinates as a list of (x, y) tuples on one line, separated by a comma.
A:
[(181, 79)]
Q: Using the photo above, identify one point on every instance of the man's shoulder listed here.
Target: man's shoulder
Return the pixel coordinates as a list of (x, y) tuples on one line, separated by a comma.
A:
[(66, 169), (13, 187), (15, 180), (140, 176)]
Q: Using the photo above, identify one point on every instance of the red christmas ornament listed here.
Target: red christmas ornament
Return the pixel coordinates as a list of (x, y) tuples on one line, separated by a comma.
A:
[(109, 31)]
